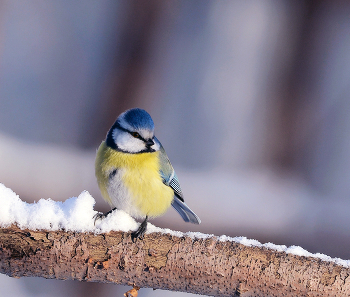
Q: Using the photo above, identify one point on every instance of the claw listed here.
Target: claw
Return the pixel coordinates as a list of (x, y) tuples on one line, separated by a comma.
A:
[(140, 232), (100, 215)]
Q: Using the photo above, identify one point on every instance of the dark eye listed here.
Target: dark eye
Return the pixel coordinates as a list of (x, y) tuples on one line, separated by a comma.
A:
[(135, 134)]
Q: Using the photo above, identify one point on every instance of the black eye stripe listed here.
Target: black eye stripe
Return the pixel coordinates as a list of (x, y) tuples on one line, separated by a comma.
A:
[(139, 136)]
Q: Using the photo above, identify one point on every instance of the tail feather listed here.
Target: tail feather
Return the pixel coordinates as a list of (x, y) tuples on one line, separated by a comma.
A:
[(185, 212)]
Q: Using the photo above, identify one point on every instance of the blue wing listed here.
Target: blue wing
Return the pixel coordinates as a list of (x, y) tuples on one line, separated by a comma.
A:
[(170, 179), (185, 212)]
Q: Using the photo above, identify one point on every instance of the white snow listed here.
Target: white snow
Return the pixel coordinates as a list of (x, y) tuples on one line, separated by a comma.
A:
[(294, 250), (77, 214)]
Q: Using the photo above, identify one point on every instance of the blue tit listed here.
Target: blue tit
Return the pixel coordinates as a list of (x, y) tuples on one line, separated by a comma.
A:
[(134, 173)]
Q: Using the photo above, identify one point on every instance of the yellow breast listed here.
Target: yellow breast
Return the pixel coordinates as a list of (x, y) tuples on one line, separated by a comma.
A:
[(140, 176)]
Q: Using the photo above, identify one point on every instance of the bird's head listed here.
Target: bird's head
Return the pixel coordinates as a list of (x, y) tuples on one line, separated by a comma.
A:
[(133, 132)]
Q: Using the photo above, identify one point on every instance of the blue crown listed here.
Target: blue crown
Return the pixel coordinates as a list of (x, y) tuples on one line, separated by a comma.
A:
[(139, 119)]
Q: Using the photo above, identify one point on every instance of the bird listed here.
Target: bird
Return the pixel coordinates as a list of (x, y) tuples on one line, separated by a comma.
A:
[(134, 173)]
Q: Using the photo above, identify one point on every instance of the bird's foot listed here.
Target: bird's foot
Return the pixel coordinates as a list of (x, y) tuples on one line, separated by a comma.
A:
[(140, 232), (100, 215)]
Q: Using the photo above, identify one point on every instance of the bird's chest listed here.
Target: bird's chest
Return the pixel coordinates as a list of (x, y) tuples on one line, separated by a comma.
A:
[(145, 185), (138, 185), (141, 180)]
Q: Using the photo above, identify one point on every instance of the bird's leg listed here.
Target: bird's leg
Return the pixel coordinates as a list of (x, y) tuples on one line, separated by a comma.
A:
[(100, 216), (140, 232)]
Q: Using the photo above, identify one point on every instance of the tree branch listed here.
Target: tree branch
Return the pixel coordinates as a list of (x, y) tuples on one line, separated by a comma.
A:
[(203, 266)]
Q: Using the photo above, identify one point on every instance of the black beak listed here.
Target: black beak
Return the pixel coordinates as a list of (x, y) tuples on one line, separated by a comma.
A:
[(149, 142)]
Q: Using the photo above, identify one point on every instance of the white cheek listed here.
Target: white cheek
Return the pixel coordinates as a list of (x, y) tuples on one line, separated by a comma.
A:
[(128, 143)]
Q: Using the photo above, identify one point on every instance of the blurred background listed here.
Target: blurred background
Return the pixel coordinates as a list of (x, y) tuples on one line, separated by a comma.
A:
[(251, 100)]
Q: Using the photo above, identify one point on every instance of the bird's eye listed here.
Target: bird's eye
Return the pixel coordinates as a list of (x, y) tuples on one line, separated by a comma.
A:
[(135, 134)]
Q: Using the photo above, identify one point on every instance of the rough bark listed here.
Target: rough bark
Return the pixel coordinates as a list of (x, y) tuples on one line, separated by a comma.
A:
[(202, 266)]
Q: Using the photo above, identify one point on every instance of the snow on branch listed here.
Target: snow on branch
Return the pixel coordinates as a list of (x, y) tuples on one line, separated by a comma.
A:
[(189, 262)]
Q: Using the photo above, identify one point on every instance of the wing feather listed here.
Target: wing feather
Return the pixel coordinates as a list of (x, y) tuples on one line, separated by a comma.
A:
[(167, 172), (170, 179)]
